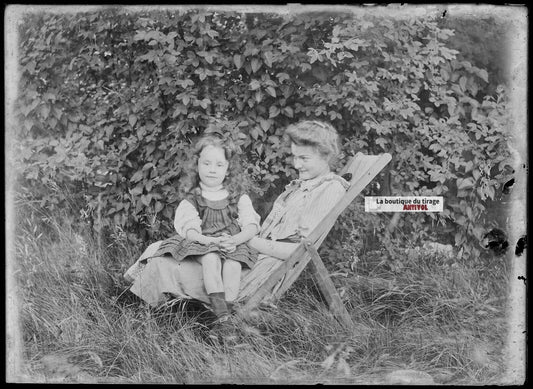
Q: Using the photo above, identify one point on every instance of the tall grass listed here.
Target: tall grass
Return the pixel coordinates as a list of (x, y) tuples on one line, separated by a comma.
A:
[(79, 323)]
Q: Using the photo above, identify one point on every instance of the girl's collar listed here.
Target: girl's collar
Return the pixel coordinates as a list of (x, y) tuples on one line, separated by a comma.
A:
[(206, 188)]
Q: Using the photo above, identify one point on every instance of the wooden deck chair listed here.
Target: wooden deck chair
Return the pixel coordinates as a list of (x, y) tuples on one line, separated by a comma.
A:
[(363, 169)]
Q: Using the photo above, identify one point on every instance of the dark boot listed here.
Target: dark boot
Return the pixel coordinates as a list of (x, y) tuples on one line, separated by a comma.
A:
[(223, 327), (218, 304), (231, 307)]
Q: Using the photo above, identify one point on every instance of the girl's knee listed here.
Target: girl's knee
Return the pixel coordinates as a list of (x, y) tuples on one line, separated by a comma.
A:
[(210, 257), (230, 263)]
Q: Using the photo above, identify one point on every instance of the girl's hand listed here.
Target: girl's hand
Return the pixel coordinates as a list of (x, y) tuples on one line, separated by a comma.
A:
[(227, 244), (214, 240)]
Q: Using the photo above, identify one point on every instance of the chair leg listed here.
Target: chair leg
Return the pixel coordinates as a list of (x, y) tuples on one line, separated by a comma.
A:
[(291, 277), (326, 286), (266, 288)]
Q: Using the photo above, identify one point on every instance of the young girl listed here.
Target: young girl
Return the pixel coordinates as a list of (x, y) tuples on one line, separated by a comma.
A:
[(213, 222)]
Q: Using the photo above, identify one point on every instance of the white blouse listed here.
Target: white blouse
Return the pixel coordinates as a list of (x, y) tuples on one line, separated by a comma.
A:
[(303, 205)]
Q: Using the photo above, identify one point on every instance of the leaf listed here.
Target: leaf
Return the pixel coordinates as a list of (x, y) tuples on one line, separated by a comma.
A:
[(204, 103), (137, 176), (180, 110), (45, 110), (212, 33), (147, 166), (268, 58), (273, 111), (271, 91), (382, 142), (254, 84), (256, 64), (469, 213), (52, 121), (259, 149), (265, 124), (141, 35), (484, 75), (334, 114), (57, 112), (287, 91), (145, 199), (258, 96), (132, 119), (158, 206), (254, 132), (137, 190), (465, 183), (283, 76), (237, 60), (461, 220), (171, 35), (288, 111), (474, 88), (168, 212), (462, 83), (209, 58), (313, 55), (491, 192), (444, 74)]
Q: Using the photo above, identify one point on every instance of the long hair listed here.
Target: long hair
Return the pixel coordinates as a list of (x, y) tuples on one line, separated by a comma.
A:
[(236, 182)]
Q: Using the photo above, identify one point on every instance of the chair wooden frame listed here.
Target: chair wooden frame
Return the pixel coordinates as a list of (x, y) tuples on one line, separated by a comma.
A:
[(363, 168)]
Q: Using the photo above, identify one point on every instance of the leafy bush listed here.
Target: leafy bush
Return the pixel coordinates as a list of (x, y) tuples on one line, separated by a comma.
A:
[(110, 100)]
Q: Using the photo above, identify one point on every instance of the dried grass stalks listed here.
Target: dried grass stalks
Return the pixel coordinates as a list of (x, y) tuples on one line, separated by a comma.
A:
[(79, 324)]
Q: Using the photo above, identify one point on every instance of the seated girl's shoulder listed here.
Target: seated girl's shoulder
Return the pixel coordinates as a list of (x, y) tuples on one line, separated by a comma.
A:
[(244, 199), (243, 196)]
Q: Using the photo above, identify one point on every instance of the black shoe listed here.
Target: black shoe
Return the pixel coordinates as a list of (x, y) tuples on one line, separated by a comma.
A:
[(233, 307), (224, 329)]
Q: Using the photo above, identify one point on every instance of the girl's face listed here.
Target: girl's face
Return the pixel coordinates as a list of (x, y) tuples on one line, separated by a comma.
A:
[(309, 162), (212, 166)]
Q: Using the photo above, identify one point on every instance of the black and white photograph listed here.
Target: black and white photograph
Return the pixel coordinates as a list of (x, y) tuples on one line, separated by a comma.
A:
[(293, 194)]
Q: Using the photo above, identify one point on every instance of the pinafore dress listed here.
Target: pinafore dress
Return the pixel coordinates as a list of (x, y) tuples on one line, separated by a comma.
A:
[(218, 217)]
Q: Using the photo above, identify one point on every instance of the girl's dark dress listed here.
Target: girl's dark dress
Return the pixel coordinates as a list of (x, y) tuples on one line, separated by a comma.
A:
[(218, 217)]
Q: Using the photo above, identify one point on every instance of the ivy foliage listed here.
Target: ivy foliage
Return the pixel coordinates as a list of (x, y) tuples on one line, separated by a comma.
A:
[(110, 100)]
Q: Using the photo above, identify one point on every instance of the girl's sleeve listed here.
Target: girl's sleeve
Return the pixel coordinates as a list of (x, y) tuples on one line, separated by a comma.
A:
[(247, 214), (187, 218), (319, 207)]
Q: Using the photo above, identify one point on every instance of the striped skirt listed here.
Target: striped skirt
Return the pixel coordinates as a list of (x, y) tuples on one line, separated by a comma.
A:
[(180, 248)]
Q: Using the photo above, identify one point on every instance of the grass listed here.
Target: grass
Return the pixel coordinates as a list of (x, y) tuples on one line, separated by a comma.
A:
[(78, 323)]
